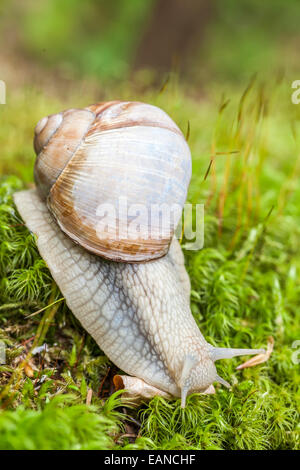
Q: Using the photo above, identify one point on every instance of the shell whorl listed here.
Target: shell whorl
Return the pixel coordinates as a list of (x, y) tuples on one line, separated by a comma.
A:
[(93, 158), (56, 140)]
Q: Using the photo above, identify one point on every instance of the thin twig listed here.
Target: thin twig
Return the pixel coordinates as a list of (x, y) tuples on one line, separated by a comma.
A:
[(45, 308)]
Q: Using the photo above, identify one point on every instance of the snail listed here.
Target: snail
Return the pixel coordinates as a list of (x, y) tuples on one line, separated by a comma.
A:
[(131, 293)]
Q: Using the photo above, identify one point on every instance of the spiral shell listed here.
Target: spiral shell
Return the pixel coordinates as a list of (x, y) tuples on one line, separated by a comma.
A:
[(108, 172)]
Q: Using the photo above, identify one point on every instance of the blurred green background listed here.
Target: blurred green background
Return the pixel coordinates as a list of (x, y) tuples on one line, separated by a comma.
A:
[(203, 40)]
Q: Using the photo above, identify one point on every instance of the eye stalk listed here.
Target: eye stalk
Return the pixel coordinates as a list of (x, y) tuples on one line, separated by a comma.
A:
[(197, 375)]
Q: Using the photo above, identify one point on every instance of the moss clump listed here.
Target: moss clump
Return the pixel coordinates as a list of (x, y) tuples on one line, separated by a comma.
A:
[(245, 288), (61, 425)]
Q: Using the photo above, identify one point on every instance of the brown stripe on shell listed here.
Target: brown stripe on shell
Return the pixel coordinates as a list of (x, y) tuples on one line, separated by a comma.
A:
[(61, 147), (118, 114), (61, 206), (98, 108)]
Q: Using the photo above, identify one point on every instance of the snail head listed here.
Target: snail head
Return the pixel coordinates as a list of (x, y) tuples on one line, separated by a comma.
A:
[(198, 374)]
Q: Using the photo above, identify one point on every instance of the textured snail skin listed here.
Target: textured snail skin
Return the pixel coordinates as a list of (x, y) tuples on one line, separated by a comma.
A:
[(138, 314)]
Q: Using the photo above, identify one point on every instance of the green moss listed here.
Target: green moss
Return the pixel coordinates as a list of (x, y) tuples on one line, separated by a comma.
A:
[(245, 288), (60, 425)]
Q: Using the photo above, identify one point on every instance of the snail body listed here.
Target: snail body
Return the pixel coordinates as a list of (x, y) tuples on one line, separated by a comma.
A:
[(135, 303)]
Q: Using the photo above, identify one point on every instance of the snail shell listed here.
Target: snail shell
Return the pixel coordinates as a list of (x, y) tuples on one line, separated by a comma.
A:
[(103, 156)]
